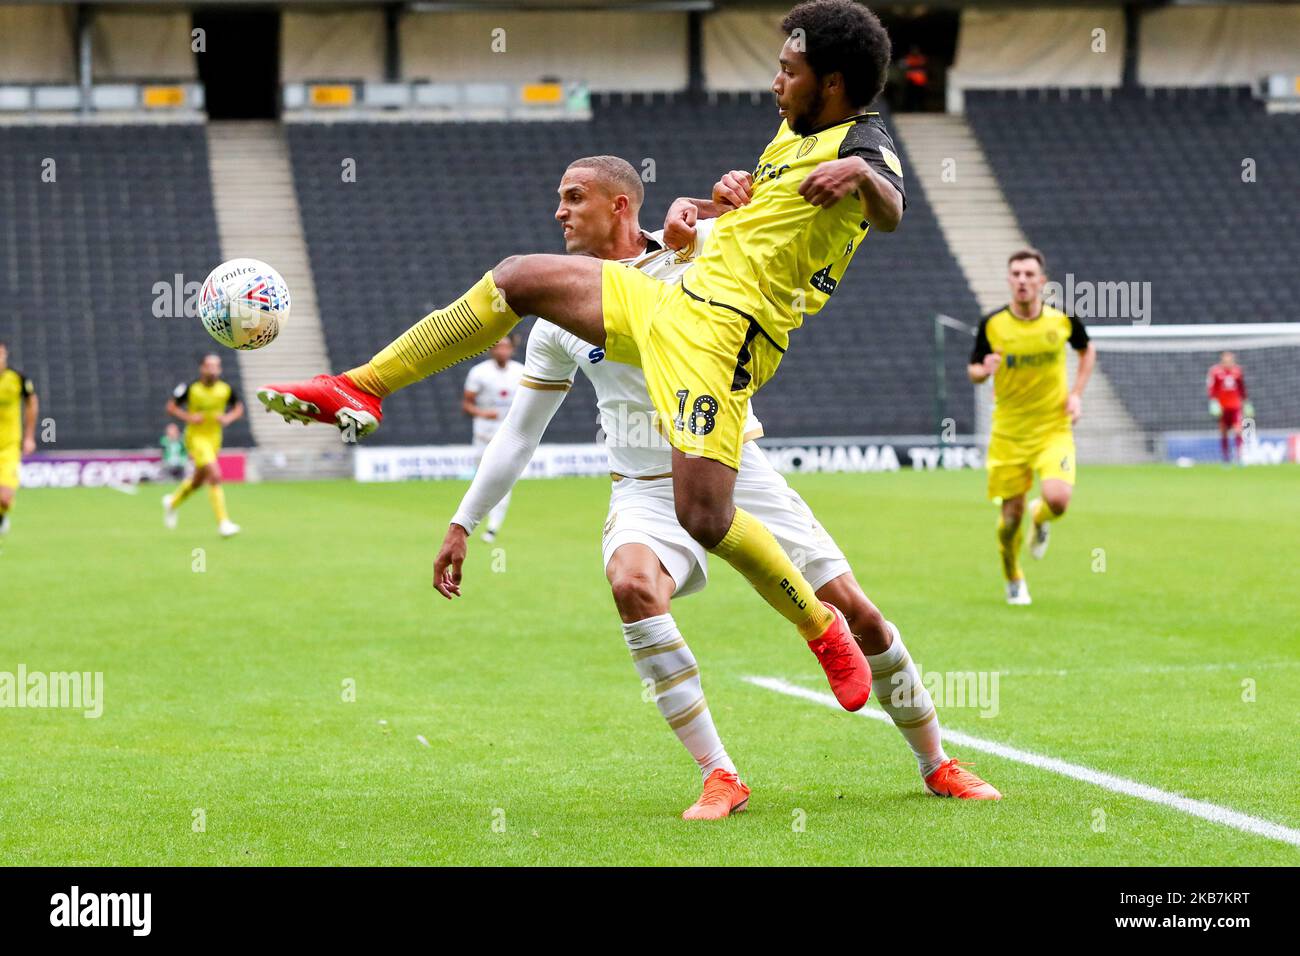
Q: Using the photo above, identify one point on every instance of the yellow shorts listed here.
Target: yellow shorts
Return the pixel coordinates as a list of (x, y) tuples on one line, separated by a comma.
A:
[(1012, 466), (702, 362), (10, 459), (203, 451)]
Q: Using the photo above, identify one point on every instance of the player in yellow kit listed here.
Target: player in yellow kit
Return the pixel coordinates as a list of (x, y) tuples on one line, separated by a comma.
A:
[(206, 406), (1022, 346), (706, 346), (19, 407)]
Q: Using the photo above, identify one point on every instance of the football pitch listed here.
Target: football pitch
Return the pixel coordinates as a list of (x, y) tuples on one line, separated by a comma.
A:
[(300, 695)]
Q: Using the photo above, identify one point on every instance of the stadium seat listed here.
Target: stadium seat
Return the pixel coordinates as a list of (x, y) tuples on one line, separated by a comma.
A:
[(131, 206)]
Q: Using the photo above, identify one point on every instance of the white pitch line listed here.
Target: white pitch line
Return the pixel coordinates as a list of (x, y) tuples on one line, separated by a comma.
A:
[(1129, 788)]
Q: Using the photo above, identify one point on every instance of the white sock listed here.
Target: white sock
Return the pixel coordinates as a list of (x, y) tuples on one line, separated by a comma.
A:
[(667, 665), (903, 697)]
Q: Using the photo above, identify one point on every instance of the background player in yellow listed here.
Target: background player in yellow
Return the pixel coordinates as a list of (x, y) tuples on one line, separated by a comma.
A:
[(1022, 345), (708, 344), (206, 406), (19, 407)]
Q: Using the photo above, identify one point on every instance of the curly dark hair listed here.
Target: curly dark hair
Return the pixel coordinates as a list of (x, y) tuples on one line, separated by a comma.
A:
[(843, 37)]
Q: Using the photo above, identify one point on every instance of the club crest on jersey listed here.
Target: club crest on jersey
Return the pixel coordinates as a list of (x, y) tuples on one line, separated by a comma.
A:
[(595, 355), (806, 147), (1052, 336)]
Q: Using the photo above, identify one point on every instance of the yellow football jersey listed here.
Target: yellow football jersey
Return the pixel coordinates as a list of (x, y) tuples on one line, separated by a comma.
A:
[(210, 401), (15, 389), (779, 258), (1031, 384)]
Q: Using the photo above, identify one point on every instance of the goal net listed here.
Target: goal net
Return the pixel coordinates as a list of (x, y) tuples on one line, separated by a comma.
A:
[(1147, 400)]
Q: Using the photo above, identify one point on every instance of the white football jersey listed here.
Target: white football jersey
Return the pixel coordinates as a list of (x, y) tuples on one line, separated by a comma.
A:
[(628, 419), (492, 387)]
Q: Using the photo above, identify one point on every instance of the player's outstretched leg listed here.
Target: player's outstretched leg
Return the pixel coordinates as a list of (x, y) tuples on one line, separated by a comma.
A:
[(704, 491), (353, 400), (564, 289), (901, 694)]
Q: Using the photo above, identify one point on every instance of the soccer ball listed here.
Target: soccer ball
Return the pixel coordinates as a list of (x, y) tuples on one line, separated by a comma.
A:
[(244, 304)]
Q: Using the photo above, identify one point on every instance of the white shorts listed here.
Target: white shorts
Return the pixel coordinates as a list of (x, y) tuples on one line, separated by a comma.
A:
[(643, 512)]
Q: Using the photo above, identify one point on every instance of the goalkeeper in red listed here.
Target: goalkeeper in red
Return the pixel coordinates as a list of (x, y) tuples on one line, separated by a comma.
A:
[(706, 345), (1225, 384)]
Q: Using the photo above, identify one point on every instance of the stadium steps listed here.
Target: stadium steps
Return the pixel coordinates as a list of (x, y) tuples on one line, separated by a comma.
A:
[(258, 216), (982, 230)]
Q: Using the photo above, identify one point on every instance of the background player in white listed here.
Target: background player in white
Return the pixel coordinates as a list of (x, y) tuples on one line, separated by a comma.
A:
[(490, 387), (649, 557)]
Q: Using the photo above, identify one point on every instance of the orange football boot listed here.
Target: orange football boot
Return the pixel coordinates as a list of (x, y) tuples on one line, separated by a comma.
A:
[(723, 795), (951, 779)]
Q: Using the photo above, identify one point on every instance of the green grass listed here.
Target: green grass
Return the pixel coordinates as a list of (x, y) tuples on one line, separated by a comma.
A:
[(224, 689)]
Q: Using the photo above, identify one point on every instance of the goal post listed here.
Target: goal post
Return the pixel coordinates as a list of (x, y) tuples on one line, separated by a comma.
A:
[(1147, 401)]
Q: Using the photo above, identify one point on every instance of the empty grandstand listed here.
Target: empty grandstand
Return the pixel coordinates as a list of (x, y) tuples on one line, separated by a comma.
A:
[(107, 232), (416, 163)]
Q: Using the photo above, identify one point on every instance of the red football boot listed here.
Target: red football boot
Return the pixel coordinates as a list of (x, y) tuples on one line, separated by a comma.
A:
[(844, 663), (329, 399)]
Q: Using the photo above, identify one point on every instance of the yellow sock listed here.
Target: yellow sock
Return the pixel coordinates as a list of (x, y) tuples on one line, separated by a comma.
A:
[(1009, 540), (1042, 513), (750, 548), (217, 495), (183, 492), (472, 324)]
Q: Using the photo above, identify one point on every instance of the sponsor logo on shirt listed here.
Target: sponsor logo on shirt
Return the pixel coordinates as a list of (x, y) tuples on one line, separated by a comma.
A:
[(1033, 359)]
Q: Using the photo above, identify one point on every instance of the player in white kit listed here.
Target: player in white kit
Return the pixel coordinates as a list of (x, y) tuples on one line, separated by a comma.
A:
[(649, 557), (490, 387)]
